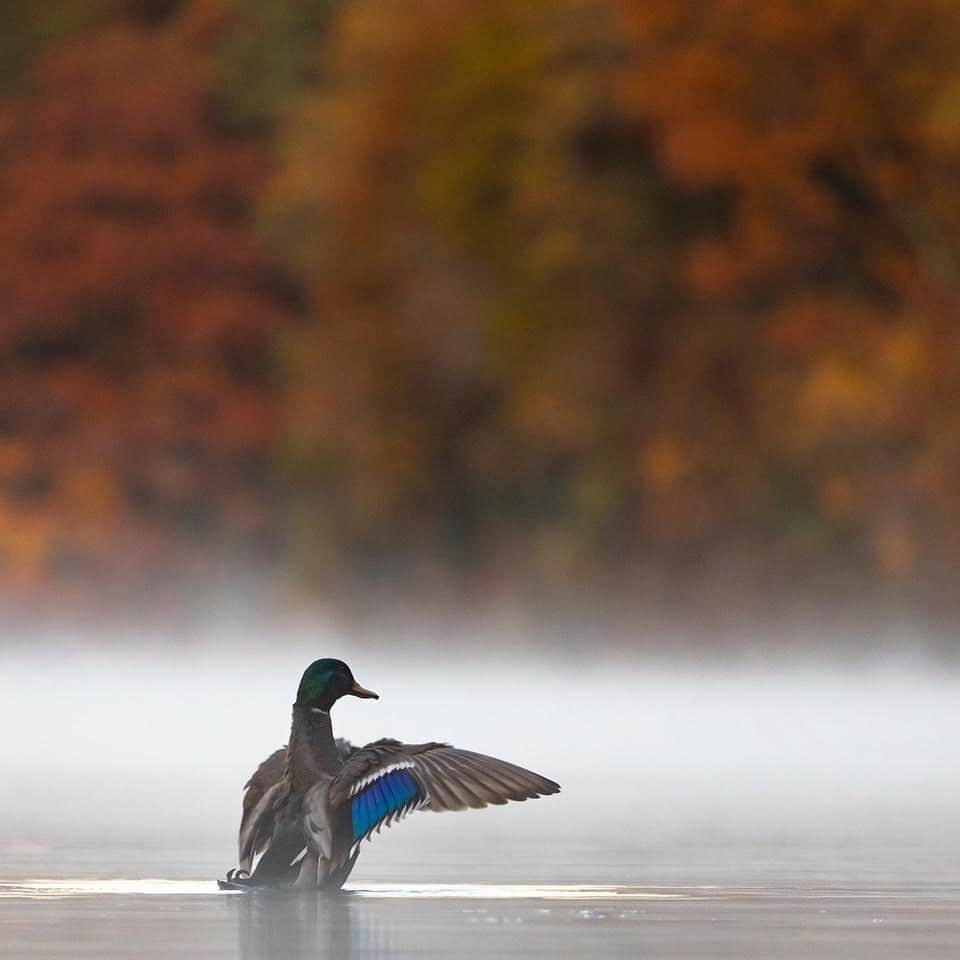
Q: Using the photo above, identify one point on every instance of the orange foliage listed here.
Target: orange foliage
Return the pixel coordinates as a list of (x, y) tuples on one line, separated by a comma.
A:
[(627, 286)]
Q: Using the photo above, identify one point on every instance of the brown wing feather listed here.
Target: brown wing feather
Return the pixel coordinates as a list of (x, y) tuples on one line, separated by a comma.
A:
[(449, 778), (257, 826), (254, 825), (263, 778)]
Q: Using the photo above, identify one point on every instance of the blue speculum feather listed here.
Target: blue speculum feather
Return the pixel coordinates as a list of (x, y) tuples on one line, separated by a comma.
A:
[(376, 802), (381, 798)]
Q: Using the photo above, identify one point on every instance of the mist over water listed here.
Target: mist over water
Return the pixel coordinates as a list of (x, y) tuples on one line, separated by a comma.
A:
[(710, 810), (142, 751)]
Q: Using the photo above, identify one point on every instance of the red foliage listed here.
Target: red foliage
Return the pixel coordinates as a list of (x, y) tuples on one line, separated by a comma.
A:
[(137, 318)]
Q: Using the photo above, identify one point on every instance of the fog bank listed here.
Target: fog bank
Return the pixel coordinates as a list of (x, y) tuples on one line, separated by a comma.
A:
[(144, 747)]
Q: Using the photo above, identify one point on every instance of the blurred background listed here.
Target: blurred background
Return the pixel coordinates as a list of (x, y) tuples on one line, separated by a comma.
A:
[(620, 321), (585, 372)]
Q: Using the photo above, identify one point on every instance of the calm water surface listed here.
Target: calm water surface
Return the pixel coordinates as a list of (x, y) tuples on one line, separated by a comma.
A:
[(790, 903)]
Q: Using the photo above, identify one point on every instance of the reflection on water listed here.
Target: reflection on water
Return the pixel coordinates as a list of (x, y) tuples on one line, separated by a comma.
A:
[(113, 919), (271, 926)]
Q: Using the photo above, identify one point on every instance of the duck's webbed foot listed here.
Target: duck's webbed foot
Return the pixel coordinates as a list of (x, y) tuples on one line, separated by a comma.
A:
[(237, 879)]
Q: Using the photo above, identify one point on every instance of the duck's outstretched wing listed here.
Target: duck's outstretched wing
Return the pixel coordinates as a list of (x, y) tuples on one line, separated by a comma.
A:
[(387, 779)]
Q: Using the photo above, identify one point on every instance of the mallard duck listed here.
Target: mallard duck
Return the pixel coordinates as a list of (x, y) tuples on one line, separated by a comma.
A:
[(309, 805)]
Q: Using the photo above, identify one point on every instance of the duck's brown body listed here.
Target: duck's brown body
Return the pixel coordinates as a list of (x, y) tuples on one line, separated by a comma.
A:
[(274, 804)]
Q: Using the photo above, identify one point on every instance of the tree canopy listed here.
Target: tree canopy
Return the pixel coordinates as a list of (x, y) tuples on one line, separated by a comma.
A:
[(569, 299)]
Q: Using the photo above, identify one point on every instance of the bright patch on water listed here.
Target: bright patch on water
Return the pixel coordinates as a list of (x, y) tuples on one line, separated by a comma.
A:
[(512, 891), (59, 889)]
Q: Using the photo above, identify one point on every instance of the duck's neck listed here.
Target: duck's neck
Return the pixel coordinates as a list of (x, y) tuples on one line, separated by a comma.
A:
[(311, 752)]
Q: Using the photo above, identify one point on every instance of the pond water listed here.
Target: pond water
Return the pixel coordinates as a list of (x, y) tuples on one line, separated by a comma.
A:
[(793, 903)]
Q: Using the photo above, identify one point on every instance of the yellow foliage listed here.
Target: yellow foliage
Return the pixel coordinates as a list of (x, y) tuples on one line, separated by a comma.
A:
[(838, 395)]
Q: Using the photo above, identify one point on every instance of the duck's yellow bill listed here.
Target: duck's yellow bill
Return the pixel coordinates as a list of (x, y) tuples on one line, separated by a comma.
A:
[(359, 691)]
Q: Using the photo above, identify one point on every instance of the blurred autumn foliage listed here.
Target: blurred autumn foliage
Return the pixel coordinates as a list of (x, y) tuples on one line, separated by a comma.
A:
[(137, 400), (648, 305)]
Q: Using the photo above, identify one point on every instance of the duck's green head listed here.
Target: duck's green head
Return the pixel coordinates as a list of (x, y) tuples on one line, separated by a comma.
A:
[(325, 681)]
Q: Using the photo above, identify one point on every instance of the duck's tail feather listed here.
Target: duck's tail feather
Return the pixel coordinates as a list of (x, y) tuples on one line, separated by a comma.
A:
[(338, 876)]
